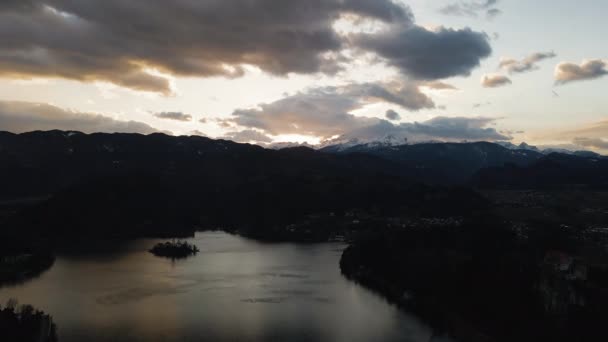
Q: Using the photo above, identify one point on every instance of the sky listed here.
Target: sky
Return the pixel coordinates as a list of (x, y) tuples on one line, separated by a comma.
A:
[(318, 71)]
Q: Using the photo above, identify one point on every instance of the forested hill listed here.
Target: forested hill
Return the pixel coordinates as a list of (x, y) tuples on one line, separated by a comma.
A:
[(136, 184), (44, 162)]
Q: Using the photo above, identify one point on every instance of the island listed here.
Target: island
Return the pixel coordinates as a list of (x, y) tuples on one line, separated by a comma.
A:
[(174, 249)]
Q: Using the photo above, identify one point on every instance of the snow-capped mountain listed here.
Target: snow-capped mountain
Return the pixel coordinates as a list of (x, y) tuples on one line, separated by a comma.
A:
[(282, 145), (343, 143), (522, 146)]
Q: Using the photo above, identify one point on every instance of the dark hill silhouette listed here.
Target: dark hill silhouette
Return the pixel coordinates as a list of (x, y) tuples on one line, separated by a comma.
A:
[(446, 163), (45, 162), (39, 163), (134, 185), (130, 184), (554, 170)]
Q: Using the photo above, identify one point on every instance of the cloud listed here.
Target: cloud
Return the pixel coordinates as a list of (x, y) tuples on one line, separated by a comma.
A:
[(141, 45), (511, 132), (448, 129), (454, 129), (595, 143), (392, 115), (493, 13), (495, 81), (138, 44), (588, 70), (438, 85), (198, 133), (481, 104), (428, 55), (177, 116), (320, 112), (472, 8), (597, 130), (514, 66), (325, 112), (19, 117), (248, 136), (592, 136), (406, 95)]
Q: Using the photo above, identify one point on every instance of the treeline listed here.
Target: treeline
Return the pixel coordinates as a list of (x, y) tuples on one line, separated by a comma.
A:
[(481, 281), (22, 257), (555, 171), (26, 324)]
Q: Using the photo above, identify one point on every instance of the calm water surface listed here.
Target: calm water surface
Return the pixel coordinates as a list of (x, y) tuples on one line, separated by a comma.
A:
[(235, 289)]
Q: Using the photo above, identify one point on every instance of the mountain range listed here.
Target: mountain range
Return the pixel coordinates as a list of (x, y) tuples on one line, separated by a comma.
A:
[(43, 162), (139, 184)]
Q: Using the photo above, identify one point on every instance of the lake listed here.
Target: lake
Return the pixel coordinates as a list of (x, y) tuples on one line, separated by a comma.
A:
[(235, 289)]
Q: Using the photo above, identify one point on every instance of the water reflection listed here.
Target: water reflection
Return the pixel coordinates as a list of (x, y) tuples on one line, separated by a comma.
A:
[(234, 290)]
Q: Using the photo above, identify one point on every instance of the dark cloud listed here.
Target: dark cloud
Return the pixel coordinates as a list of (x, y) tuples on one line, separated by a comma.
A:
[(119, 41), (122, 42), (407, 95), (177, 116), (428, 55), (325, 112), (472, 8), (493, 13), (248, 136), (392, 115), (19, 117), (495, 81), (587, 70), (514, 66), (17, 5)]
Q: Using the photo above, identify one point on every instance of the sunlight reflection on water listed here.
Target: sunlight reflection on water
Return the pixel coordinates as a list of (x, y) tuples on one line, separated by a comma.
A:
[(235, 289)]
